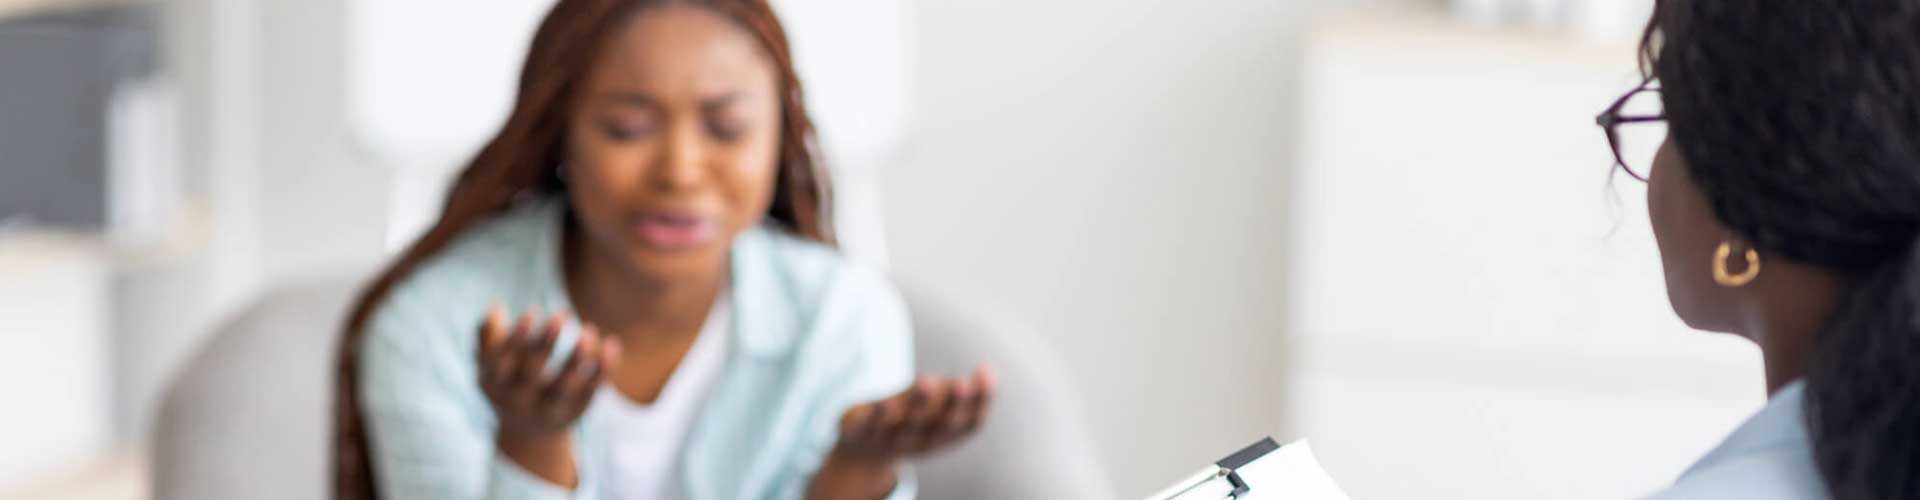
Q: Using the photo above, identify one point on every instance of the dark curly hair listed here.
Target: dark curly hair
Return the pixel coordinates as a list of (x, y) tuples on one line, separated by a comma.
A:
[(1800, 122)]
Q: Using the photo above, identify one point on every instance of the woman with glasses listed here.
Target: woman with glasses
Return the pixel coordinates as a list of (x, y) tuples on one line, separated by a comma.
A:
[(1785, 198)]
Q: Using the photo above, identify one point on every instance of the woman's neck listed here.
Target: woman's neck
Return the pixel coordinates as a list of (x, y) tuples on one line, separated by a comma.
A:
[(619, 301), (1785, 325), (1785, 356)]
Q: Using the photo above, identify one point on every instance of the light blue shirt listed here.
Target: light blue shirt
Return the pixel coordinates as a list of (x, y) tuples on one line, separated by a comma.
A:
[(1770, 457), (813, 336)]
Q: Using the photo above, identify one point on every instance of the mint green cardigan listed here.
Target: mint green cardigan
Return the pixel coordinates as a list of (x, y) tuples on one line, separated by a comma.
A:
[(813, 335)]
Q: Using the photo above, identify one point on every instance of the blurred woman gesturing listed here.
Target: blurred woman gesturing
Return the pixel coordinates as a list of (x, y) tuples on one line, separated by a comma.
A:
[(631, 293)]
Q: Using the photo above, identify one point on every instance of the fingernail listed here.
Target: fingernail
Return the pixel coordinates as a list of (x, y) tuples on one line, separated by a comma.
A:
[(524, 324), (611, 350)]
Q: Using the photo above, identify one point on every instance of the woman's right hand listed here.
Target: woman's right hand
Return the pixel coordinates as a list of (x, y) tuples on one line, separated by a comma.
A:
[(535, 410)]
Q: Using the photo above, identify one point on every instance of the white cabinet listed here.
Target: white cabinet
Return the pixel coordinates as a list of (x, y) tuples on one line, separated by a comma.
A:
[(54, 370)]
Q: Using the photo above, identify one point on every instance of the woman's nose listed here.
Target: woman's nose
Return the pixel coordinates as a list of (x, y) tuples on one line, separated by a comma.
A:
[(682, 160)]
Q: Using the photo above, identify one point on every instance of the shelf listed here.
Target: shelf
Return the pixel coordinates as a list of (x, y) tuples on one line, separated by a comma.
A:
[(10, 9)]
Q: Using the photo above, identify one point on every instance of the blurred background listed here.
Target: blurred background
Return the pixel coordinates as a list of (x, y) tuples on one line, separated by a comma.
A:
[(1387, 226)]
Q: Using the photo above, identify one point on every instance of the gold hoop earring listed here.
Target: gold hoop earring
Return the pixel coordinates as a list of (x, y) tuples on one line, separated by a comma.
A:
[(1720, 274)]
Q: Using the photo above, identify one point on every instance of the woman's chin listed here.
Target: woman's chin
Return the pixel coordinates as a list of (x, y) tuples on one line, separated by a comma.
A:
[(678, 264)]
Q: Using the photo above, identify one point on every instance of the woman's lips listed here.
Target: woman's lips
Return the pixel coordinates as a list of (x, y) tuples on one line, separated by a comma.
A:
[(673, 231)]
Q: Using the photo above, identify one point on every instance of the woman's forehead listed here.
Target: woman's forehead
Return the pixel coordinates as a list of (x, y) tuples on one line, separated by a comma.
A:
[(679, 49)]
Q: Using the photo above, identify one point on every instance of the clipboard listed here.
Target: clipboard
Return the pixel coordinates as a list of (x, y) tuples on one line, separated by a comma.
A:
[(1264, 470)]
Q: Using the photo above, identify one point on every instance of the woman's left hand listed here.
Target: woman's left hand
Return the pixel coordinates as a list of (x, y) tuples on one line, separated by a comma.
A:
[(933, 414)]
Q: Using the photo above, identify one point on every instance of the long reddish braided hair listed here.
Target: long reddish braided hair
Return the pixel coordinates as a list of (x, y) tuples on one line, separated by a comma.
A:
[(521, 160)]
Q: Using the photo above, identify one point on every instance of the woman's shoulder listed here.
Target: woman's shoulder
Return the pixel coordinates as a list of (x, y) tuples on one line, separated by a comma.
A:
[(498, 244), (489, 261), (1768, 457), (815, 274), (1779, 473)]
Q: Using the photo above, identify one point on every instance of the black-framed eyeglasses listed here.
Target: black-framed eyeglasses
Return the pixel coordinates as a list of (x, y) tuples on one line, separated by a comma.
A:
[(1633, 150)]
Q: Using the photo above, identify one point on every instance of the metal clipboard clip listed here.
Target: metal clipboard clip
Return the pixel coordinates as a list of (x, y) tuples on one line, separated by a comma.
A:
[(1219, 481)]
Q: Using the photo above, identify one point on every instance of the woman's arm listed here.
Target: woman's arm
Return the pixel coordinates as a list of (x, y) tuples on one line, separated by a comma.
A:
[(428, 420), (846, 476), (877, 437), (537, 411), (873, 425)]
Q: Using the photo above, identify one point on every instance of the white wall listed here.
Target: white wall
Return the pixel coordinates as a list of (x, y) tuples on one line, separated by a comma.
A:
[(422, 122), (1110, 172), (853, 58), (1438, 289), (324, 202), (1479, 314)]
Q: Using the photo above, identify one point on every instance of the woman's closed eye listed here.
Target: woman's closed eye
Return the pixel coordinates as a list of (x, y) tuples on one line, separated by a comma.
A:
[(629, 128), (724, 128)]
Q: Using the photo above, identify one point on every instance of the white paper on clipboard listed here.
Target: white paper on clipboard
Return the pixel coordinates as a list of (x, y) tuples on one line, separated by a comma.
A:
[(1287, 473), (1290, 473)]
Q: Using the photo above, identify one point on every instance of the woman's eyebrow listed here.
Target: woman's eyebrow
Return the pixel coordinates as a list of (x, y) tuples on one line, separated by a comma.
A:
[(630, 99), (709, 104), (716, 103)]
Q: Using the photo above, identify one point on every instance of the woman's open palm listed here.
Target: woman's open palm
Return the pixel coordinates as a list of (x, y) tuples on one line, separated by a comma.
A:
[(934, 413), (513, 360)]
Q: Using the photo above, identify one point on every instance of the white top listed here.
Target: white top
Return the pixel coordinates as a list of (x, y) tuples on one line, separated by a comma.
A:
[(1770, 457), (639, 457)]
